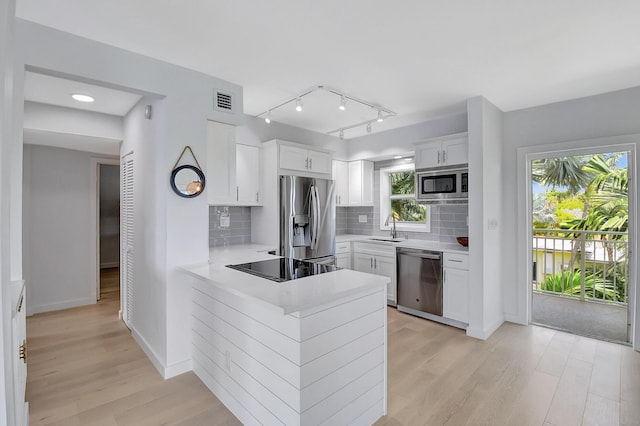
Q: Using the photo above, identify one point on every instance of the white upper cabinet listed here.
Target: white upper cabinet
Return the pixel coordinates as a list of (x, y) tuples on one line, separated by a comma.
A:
[(221, 163), (446, 151), (248, 175), (340, 174), (360, 183), (304, 160)]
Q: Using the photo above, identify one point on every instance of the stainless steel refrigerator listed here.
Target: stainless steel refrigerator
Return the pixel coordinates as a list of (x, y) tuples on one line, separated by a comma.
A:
[(307, 219)]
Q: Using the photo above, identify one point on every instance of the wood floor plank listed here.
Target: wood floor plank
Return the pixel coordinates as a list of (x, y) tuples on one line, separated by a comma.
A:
[(85, 369)]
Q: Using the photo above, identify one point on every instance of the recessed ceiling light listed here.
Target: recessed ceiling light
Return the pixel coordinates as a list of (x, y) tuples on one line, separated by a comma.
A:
[(397, 157), (82, 98)]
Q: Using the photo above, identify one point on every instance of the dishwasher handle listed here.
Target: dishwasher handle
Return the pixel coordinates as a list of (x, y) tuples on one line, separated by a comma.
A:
[(421, 254)]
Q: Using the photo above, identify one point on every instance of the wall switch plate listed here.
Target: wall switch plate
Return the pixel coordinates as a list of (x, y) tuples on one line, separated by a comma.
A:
[(492, 224), (362, 218)]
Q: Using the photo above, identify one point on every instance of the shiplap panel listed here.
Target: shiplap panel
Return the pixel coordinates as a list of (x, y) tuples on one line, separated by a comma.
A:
[(261, 373), (326, 386), (329, 341), (285, 368), (244, 398), (338, 315), (268, 315), (338, 400), (320, 367), (260, 393), (370, 416), (358, 407), (269, 337)]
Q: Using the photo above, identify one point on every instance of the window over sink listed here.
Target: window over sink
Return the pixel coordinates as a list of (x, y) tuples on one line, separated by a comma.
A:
[(397, 197)]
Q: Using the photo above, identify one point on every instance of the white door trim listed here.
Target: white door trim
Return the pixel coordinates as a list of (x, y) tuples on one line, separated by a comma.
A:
[(94, 212), (524, 237)]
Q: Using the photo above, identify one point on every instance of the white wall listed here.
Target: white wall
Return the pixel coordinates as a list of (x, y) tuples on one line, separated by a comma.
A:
[(486, 312), (609, 114), (109, 215), (254, 131), (178, 225), (57, 263), (7, 205), (71, 121), (400, 141)]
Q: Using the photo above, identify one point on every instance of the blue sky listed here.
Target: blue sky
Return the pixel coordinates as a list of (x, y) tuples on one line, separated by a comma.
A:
[(621, 163)]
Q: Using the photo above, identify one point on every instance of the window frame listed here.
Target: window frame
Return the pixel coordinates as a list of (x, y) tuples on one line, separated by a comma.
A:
[(386, 197)]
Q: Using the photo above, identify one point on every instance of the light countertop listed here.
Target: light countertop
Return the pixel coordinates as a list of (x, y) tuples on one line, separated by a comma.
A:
[(290, 296), (410, 243)]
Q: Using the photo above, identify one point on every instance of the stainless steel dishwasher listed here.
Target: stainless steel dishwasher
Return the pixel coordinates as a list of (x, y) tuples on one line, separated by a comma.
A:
[(419, 274)]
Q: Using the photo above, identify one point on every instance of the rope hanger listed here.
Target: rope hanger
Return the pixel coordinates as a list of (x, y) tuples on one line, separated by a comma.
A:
[(182, 154)]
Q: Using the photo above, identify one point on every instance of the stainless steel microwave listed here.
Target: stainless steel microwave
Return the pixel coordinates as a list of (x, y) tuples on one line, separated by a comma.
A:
[(449, 185)]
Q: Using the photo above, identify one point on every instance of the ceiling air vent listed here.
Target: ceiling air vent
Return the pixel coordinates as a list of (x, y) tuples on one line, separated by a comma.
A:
[(223, 101)]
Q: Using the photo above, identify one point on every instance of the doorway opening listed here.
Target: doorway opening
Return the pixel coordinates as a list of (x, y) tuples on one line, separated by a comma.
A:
[(580, 244), (108, 186)]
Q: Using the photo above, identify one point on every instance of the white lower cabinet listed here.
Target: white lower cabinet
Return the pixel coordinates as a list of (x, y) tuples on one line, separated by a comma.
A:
[(455, 303), (343, 255), (379, 259)]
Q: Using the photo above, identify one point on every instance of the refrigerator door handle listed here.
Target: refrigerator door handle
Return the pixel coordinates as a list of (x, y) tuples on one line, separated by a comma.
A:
[(313, 218)]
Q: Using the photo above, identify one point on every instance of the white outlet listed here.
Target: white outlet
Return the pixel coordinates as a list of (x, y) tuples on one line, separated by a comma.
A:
[(362, 218), (224, 221), (492, 224)]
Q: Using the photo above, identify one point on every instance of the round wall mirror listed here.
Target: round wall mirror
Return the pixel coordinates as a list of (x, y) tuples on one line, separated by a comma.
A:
[(187, 181)]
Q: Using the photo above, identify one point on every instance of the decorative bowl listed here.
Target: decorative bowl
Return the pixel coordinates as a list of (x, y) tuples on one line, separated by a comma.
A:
[(463, 241)]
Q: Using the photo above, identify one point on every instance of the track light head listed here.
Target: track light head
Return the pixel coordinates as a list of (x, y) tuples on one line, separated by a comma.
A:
[(368, 127), (267, 119), (343, 104), (380, 117), (341, 134), (298, 104)]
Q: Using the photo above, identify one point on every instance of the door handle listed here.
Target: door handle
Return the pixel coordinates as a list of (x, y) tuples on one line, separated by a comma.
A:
[(311, 163), (438, 157), (257, 197), (306, 163), (375, 263), (237, 193), (371, 262), (444, 157)]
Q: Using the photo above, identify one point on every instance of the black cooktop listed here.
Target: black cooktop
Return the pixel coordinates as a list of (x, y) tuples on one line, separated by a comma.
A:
[(283, 269)]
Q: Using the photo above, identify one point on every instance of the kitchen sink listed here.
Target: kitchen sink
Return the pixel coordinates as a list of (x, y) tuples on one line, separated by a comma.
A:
[(388, 240)]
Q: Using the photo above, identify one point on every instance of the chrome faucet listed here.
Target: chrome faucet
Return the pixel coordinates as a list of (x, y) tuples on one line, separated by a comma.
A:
[(393, 229)]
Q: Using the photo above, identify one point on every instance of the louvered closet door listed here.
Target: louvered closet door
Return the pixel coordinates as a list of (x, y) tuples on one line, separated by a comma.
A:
[(127, 232)]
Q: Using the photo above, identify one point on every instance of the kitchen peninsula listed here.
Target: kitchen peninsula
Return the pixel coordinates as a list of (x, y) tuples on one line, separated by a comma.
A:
[(301, 352)]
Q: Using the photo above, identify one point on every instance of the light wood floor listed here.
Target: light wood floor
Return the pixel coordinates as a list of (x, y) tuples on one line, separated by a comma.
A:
[(85, 369)]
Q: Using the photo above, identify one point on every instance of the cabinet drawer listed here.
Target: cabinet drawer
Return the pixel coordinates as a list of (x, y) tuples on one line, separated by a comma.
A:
[(455, 260), (375, 248), (343, 247)]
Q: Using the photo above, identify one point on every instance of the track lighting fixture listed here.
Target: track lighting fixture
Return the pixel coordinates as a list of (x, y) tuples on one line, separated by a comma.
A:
[(343, 104), (382, 113)]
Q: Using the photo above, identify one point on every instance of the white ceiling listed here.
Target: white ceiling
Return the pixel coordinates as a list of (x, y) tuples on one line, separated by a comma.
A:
[(57, 91), (419, 58)]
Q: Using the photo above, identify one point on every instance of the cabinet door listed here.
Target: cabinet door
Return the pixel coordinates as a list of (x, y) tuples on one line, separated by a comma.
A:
[(319, 162), (341, 176), (363, 262), (455, 151), (386, 266), (221, 163), (355, 183), (367, 183), (455, 303), (343, 260), (294, 158), (428, 155), (248, 174)]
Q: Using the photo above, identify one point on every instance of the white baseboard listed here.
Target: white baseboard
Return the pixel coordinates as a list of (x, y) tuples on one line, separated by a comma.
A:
[(485, 332), (109, 265), (178, 368), (148, 351), (166, 372), (60, 305), (515, 319)]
